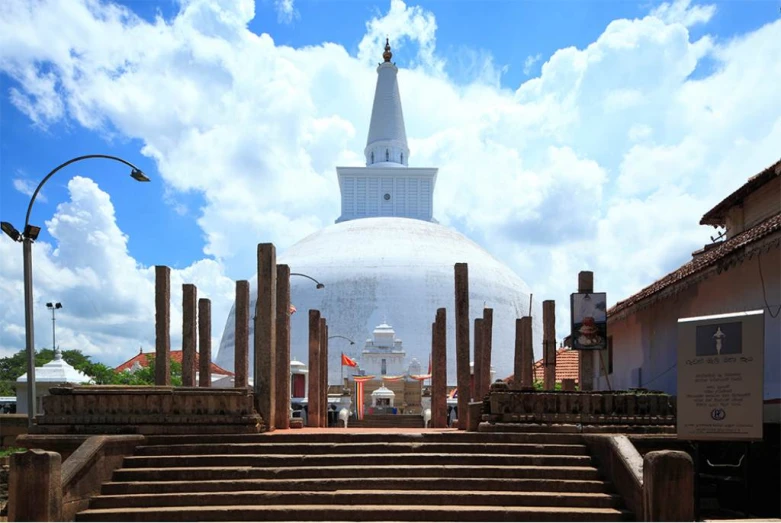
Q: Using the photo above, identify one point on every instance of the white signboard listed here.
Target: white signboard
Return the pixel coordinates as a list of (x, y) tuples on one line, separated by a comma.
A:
[(720, 372)]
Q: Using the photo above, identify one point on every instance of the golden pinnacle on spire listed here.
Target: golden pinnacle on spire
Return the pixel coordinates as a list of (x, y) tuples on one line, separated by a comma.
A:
[(387, 55)]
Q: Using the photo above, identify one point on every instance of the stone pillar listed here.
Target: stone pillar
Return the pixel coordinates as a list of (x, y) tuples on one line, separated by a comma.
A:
[(527, 353), (485, 353), (477, 374), (204, 342), (568, 385), (668, 486), (517, 357), (586, 367), (462, 342), (265, 333), (549, 343), (282, 383), (323, 372), (313, 414), (162, 325), (35, 486), (189, 333), (241, 341), (439, 372)]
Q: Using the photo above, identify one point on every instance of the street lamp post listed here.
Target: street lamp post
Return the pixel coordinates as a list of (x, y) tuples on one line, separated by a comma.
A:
[(28, 235), (341, 367), (53, 307)]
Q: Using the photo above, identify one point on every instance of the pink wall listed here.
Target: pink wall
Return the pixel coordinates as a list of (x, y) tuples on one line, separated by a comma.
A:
[(647, 338)]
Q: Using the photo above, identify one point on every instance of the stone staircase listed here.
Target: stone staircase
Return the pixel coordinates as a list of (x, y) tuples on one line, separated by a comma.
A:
[(381, 421), (431, 476)]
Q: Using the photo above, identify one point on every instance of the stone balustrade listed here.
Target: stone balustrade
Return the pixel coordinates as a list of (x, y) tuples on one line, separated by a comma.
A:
[(147, 410), (598, 408)]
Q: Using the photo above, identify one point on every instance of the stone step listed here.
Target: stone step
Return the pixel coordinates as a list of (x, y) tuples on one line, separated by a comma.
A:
[(359, 448), (300, 512), (446, 435), (575, 428), (353, 483), (222, 472), (268, 460), (359, 498)]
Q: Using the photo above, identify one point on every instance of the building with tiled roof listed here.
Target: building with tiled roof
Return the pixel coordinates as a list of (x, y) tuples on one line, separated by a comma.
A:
[(567, 364), (741, 271), (141, 360)]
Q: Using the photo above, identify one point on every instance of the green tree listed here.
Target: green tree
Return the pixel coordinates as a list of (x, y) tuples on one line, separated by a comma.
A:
[(14, 366)]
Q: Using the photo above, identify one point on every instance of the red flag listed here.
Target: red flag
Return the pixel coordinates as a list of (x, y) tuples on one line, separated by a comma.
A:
[(348, 362), (292, 309)]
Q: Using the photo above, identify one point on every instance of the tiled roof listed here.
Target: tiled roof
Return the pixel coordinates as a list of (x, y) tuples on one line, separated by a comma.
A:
[(176, 355), (714, 257), (716, 215), (567, 364)]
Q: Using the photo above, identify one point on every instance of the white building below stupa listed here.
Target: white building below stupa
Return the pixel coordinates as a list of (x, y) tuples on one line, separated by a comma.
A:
[(387, 260)]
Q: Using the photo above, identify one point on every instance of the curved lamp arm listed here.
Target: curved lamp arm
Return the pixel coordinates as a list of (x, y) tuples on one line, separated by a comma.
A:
[(343, 337), (137, 174), (319, 285)]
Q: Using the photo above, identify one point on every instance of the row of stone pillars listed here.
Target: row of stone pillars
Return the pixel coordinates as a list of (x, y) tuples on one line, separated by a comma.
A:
[(271, 342), (196, 331), (524, 354)]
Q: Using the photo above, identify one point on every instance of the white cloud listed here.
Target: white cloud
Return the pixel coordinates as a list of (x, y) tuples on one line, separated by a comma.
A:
[(681, 11), (107, 296), (286, 11), (582, 167), (27, 188), (529, 63)]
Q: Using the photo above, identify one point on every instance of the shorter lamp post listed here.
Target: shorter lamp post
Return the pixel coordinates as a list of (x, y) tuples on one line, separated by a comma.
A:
[(53, 307), (28, 235), (341, 367)]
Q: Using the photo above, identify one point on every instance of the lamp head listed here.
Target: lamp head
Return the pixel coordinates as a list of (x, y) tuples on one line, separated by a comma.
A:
[(58, 305), (139, 176), (32, 232), (11, 231), (49, 305), (320, 286)]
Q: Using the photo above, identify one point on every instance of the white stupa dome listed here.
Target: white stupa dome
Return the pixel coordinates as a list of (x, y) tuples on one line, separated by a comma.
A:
[(387, 262), (399, 271)]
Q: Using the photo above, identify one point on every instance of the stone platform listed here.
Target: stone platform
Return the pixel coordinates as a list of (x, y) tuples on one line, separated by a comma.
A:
[(147, 410)]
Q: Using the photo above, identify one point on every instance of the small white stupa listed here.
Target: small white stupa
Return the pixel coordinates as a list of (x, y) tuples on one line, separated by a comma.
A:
[(383, 397), (56, 372)]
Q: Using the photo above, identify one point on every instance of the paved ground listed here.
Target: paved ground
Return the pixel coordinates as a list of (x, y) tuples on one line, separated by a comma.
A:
[(348, 430)]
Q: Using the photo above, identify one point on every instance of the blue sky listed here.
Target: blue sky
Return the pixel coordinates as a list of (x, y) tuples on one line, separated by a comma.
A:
[(636, 103), (510, 31)]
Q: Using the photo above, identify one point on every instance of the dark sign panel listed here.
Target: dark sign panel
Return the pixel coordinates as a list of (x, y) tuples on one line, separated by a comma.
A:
[(589, 320)]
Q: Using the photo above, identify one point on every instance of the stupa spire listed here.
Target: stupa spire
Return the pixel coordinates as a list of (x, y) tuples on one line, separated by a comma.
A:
[(386, 144), (387, 55)]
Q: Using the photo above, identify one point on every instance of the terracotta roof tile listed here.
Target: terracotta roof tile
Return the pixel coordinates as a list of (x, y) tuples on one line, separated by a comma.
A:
[(176, 355), (567, 365), (716, 215), (710, 258)]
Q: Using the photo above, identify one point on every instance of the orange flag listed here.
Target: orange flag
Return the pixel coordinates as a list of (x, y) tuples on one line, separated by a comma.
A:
[(348, 362)]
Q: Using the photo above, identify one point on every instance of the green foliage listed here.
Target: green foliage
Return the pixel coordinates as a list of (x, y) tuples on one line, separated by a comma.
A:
[(10, 450), (538, 385), (146, 375), (14, 366)]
